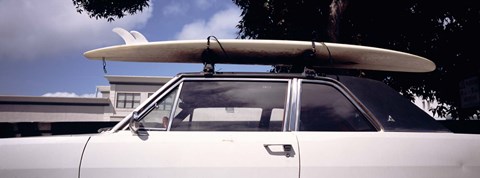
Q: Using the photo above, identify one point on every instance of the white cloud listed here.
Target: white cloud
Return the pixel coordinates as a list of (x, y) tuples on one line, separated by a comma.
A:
[(204, 4), (42, 29), (68, 94), (221, 25), (180, 7), (175, 8)]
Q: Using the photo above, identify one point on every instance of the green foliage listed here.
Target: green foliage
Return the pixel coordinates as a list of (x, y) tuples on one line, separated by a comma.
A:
[(110, 9), (444, 31), (282, 19)]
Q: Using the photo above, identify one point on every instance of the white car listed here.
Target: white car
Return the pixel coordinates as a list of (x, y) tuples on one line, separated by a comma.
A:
[(212, 124)]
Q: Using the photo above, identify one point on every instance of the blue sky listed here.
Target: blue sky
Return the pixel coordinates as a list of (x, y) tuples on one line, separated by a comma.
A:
[(42, 46)]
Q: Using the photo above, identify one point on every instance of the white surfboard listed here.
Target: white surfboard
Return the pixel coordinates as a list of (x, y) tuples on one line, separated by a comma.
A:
[(266, 52)]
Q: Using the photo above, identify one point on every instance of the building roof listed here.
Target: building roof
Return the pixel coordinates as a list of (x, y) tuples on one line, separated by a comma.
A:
[(137, 80), (42, 100)]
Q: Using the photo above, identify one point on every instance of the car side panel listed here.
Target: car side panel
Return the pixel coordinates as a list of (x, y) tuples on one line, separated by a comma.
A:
[(371, 154), (190, 154), (41, 157)]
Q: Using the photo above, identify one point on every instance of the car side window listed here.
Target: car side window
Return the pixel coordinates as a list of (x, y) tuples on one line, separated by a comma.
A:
[(157, 118), (230, 106), (325, 108)]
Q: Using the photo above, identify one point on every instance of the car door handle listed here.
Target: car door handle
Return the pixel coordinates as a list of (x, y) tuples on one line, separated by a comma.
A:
[(280, 149)]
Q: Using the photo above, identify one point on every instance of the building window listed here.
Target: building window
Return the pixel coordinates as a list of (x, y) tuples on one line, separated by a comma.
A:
[(166, 104), (128, 100)]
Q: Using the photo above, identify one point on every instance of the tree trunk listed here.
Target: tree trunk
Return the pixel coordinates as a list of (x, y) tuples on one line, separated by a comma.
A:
[(337, 7)]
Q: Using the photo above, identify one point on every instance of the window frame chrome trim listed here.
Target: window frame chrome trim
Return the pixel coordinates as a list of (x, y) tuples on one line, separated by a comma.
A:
[(174, 106), (287, 103), (294, 105)]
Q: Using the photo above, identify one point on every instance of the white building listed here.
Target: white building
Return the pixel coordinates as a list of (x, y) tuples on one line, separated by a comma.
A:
[(30, 116)]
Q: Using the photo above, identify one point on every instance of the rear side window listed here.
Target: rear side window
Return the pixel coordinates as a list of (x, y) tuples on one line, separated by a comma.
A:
[(325, 108), (393, 111), (230, 106)]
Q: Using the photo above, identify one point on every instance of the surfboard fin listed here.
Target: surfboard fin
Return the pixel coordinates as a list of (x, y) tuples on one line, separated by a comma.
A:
[(139, 38), (133, 37)]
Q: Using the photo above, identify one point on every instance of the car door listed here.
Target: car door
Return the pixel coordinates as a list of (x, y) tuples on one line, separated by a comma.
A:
[(337, 139), (331, 132), (221, 128)]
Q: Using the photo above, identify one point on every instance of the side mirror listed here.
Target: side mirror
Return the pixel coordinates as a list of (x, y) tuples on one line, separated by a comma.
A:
[(104, 129), (134, 124)]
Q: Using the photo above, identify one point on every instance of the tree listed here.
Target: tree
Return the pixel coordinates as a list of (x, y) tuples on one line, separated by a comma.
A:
[(444, 32), (110, 9)]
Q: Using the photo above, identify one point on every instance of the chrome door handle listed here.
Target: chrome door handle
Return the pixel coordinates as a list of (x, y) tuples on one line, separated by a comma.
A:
[(280, 149)]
